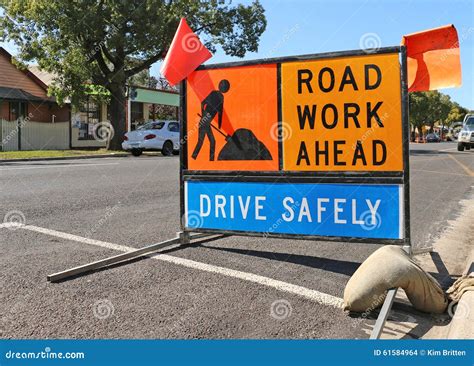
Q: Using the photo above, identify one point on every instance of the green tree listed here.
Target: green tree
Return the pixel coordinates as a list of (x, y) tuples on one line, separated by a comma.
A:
[(433, 107), (462, 112), (108, 41), (437, 107), (455, 115), (419, 105), (141, 79), (445, 106)]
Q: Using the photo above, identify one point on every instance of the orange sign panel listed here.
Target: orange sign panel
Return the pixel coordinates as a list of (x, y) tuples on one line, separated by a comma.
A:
[(342, 114), (232, 119)]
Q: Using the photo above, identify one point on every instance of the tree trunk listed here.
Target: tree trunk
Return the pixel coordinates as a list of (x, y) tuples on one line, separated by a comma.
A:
[(412, 134), (118, 111)]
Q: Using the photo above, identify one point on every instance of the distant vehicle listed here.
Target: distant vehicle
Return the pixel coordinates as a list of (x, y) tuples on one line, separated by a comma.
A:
[(432, 137), (455, 128), (466, 117), (466, 134), (153, 136)]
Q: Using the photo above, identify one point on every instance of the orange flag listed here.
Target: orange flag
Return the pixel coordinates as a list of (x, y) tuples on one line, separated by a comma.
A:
[(185, 54), (433, 59)]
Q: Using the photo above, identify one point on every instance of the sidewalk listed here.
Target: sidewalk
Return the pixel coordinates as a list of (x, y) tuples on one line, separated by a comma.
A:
[(452, 257), (449, 259), (462, 325)]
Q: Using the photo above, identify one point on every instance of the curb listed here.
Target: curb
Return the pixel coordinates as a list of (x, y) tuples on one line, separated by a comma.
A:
[(119, 155), (462, 325)]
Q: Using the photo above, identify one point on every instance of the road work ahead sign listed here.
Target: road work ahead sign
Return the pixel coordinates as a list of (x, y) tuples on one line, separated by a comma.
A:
[(342, 114), (310, 146)]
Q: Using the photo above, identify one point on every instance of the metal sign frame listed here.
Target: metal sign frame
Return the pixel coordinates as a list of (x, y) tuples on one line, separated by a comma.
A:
[(186, 236), (342, 177)]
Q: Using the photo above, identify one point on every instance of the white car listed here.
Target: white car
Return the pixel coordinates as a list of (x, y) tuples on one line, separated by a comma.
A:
[(466, 135), (153, 136)]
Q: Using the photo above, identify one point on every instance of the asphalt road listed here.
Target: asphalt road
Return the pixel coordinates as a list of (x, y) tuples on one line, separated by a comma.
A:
[(207, 290)]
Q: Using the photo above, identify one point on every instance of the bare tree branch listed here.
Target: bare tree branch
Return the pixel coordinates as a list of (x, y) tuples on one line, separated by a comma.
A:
[(108, 55), (102, 64)]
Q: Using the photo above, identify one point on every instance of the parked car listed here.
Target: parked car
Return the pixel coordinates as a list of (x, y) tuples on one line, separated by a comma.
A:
[(466, 134), (153, 136), (433, 137)]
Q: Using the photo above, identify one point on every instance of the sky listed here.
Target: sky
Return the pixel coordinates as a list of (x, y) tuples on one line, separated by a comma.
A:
[(297, 27)]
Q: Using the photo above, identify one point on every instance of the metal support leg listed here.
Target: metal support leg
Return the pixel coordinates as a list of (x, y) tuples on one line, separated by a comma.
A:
[(387, 305), (408, 249), (422, 250), (182, 238)]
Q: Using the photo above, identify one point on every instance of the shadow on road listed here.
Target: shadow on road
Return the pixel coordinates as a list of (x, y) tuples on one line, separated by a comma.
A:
[(442, 276), (419, 152), (333, 265)]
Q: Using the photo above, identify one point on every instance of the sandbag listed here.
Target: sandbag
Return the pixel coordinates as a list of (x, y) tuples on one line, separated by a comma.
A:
[(390, 267)]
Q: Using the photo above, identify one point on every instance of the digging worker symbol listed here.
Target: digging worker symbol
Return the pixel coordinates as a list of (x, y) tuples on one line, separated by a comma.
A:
[(212, 105)]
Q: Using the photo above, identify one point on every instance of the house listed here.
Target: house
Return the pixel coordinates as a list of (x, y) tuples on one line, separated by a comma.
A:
[(144, 104), (29, 118)]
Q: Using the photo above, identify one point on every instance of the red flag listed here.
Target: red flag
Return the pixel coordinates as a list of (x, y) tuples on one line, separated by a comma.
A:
[(185, 54), (433, 59)]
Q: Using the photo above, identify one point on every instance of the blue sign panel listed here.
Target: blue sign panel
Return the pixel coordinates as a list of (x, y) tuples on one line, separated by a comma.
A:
[(338, 210)]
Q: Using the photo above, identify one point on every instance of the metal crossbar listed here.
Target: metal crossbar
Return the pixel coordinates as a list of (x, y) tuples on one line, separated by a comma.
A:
[(182, 238)]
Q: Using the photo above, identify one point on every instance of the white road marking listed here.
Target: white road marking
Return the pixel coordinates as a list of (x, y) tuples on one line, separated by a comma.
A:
[(465, 167), (310, 294), (423, 158), (80, 239), (54, 166), (10, 225), (313, 295)]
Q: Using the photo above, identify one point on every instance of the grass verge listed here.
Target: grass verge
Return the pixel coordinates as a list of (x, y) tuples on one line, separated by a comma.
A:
[(53, 153)]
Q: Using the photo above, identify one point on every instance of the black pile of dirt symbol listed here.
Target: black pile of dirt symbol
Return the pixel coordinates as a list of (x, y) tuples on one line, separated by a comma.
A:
[(243, 145)]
